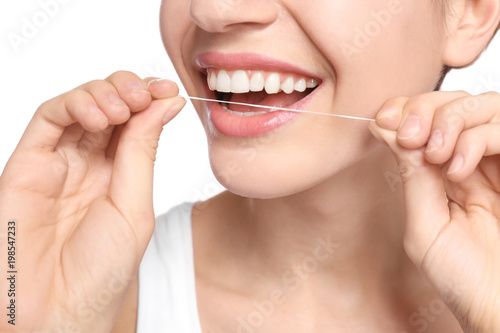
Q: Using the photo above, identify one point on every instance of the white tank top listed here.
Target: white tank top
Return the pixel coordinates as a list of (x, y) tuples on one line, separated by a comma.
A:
[(167, 295)]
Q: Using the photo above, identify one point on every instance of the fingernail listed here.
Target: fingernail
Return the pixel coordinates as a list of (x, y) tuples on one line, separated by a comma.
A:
[(389, 118), (155, 81), (388, 112), (410, 128), (117, 101), (435, 142), (101, 119), (137, 90), (456, 164), (173, 110)]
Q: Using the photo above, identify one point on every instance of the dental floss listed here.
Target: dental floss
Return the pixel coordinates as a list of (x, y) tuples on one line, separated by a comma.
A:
[(274, 109)]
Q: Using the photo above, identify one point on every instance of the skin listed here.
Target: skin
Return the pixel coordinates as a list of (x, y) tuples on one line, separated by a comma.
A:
[(86, 157), (391, 257), (343, 77), (337, 195)]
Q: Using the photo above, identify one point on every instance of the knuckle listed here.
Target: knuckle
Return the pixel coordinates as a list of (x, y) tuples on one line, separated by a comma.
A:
[(462, 92), (46, 105), (396, 101), (96, 84), (75, 96), (470, 103), (87, 86), (419, 103), (146, 144), (490, 94), (452, 115), (469, 137), (76, 103), (449, 112), (122, 75)]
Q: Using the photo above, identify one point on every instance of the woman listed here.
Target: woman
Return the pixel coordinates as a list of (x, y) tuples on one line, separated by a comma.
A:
[(316, 232)]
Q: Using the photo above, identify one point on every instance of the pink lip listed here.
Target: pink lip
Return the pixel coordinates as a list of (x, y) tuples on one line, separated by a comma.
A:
[(238, 126), (246, 127), (246, 61)]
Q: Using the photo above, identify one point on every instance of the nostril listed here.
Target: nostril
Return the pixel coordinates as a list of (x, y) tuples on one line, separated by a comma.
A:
[(211, 15), (220, 15)]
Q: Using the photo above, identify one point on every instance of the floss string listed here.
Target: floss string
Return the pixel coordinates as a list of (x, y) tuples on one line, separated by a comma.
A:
[(274, 109)]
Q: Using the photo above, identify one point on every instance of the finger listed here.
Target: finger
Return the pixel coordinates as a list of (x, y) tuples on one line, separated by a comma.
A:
[(471, 147), (108, 100), (416, 116), (419, 112), (71, 136), (390, 114), (96, 142), (131, 89), (80, 105), (453, 118), (52, 117), (113, 142), (161, 88), (425, 198), (132, 179)]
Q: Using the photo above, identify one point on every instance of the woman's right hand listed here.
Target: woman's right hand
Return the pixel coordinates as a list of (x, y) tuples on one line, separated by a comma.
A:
[(78, 189)]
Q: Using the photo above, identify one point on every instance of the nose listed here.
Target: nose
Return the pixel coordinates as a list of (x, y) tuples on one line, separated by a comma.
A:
[(222, 15)]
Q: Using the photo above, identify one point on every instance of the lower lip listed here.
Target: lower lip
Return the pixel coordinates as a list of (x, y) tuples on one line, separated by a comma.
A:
[(244, 127)]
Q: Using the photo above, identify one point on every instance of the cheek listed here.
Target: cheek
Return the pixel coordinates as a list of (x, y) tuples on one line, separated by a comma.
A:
[(177, 31), (174, 24), (377, 49), (370, 55)]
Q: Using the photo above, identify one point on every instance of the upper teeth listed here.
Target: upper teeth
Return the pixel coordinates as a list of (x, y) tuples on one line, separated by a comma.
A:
[(242, 81)]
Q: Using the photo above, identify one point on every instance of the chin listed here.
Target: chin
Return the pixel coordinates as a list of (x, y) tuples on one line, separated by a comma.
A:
[(260, 186), (264, 174)]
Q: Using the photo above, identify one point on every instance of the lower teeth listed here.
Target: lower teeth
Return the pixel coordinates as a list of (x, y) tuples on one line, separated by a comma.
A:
[(242, 114)]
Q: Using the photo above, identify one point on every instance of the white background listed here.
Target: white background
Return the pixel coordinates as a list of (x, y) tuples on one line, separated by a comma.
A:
[(86, 40)]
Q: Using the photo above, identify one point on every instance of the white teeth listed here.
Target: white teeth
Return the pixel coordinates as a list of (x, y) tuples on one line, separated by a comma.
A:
[(288, 85), (212, 80), (301, 86), (312, 83), (223, 82), (242, 114), (257, 82), (273, 83), (240, 83)]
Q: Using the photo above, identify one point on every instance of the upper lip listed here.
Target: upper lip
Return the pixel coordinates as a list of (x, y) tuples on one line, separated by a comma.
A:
[(247, 61)]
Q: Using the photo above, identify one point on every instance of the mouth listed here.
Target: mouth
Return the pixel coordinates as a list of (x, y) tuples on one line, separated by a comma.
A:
[(253, 79), (258, 87)]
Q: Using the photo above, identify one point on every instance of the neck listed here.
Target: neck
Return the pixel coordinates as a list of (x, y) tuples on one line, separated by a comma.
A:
[(337, 247), (351, 225)]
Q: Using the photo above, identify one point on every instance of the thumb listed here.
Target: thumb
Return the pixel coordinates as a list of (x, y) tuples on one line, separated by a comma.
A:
[(131, 187), (424, 193)]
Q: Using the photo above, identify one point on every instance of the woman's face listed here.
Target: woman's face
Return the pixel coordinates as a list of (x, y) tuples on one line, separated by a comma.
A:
[(353, 55)]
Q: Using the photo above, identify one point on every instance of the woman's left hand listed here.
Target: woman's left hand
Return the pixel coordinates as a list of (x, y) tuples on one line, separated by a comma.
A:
[(447, 145)]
